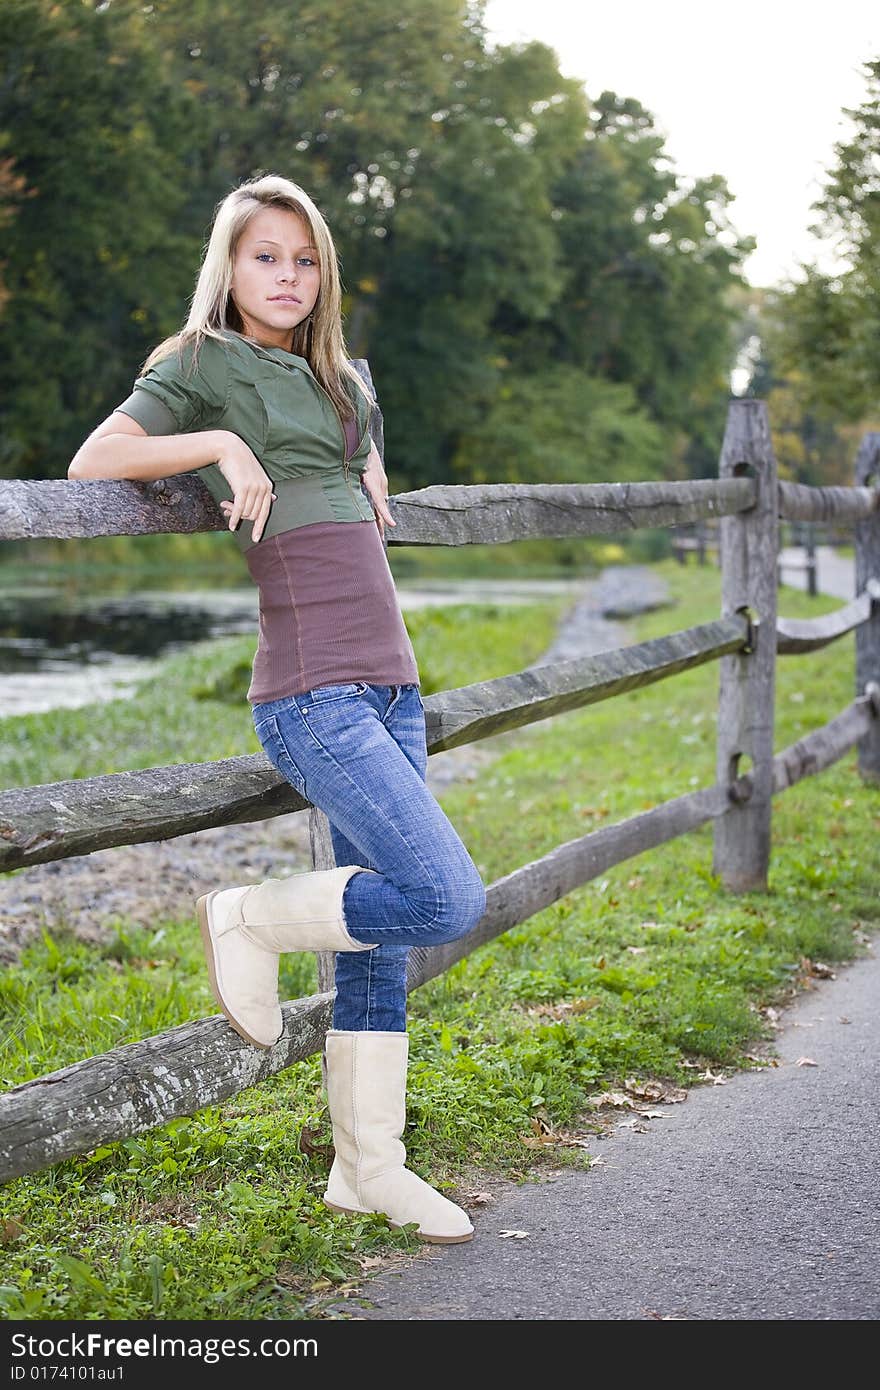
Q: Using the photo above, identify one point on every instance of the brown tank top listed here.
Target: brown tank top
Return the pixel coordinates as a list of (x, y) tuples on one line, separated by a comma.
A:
[(329, 610)]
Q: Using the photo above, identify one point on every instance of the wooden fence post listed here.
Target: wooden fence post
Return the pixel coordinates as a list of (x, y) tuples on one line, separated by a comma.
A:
[(322, 858), (810, 552), (867, 539), (749, 549)]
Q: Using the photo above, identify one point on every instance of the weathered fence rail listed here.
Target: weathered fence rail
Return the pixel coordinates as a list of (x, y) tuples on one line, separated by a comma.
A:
[(135, 1087), (808, 634), (453, 514)]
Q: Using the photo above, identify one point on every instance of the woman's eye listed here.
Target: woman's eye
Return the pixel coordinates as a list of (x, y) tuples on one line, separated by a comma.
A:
[(301, 260)]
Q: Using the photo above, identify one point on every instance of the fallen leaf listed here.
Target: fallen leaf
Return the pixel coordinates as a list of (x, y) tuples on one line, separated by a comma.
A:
[(565, 1139), (544, 1134), (655, 1090), (311, 1148), (563, 1008), (480, 1199), (371, 1261), (816, 967), (637, 950), (653, 1114), (806, 1062), (580, 1006), (10, 1230), (512, 1235), (611, 1098), (716, 1079)]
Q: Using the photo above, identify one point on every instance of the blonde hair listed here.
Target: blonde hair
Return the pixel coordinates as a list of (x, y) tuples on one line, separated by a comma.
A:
[(319, 338)]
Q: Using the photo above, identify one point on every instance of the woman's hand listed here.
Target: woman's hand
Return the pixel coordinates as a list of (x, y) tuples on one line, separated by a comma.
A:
[(376, 483), (252, 494)]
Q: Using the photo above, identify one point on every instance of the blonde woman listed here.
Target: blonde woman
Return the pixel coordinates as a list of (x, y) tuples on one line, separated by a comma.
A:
[(256, 394)]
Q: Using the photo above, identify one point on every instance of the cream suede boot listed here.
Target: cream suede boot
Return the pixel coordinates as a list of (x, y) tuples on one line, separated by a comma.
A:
[(366, 1093), (245, 929)]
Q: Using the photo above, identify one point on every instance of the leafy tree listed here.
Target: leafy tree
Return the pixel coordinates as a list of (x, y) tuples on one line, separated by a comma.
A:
[(650, 265), (88, 256), (828, 326), (558, 425), (493, 225)]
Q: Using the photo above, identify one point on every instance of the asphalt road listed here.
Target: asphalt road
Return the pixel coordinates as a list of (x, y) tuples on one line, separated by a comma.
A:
[(834, 572), (753, 1199)]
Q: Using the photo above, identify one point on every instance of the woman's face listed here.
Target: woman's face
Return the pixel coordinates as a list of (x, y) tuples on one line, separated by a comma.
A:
[(276, 276)]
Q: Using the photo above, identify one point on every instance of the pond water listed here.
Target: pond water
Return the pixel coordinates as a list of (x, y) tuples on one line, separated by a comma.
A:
[(61, 647)]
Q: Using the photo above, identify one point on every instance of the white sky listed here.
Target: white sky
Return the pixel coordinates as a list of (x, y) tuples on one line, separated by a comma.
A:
[(753, 91)]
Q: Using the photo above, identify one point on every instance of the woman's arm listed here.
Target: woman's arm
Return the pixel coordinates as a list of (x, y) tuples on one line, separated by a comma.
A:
[(376, 483), (121, 448)]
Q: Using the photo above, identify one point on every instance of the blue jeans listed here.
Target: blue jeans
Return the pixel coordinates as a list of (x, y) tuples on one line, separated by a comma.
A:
[(358, 752)]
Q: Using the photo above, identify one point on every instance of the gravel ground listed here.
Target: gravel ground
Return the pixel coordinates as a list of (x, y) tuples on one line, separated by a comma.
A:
[(94, 894)]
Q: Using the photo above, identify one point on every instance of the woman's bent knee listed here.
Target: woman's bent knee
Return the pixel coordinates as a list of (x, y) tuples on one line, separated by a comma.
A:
[(456, 908)]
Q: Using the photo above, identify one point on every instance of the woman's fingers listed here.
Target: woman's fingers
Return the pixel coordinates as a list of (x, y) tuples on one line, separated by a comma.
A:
[(383, 515), (252, 503), (262, 516)]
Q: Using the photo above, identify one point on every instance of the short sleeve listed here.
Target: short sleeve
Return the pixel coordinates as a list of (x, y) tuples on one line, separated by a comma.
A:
[(178, 395)]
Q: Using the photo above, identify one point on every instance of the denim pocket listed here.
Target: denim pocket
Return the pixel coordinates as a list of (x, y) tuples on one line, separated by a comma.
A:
[(276, 751), (324, 694)]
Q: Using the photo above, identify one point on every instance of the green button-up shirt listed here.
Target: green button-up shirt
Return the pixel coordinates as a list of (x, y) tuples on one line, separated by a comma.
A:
[(272, 400)]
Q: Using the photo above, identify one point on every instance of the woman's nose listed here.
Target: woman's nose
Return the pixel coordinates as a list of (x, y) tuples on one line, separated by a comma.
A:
[(287, 272)]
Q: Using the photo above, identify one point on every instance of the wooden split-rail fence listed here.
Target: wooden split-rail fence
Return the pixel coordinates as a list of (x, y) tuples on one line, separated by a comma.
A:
[(141, 1085)]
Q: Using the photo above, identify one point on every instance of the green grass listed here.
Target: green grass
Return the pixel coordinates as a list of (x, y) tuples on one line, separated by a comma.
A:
[(652, 971)]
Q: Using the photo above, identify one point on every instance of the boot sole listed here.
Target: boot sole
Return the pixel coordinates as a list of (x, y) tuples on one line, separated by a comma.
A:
[(431, 1240), (203, 912)]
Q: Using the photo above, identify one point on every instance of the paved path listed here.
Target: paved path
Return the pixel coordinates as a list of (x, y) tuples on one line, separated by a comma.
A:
[(834, 572), (754, 1199)]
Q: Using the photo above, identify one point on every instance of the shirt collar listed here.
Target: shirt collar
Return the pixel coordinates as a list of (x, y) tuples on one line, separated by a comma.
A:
[(280, 355)]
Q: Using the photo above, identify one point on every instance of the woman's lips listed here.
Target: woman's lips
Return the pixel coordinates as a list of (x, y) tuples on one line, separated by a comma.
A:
[(285, 299)]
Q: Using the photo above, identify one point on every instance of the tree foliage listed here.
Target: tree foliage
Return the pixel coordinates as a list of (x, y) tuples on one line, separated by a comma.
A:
[(518, 260), (826, 328)]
